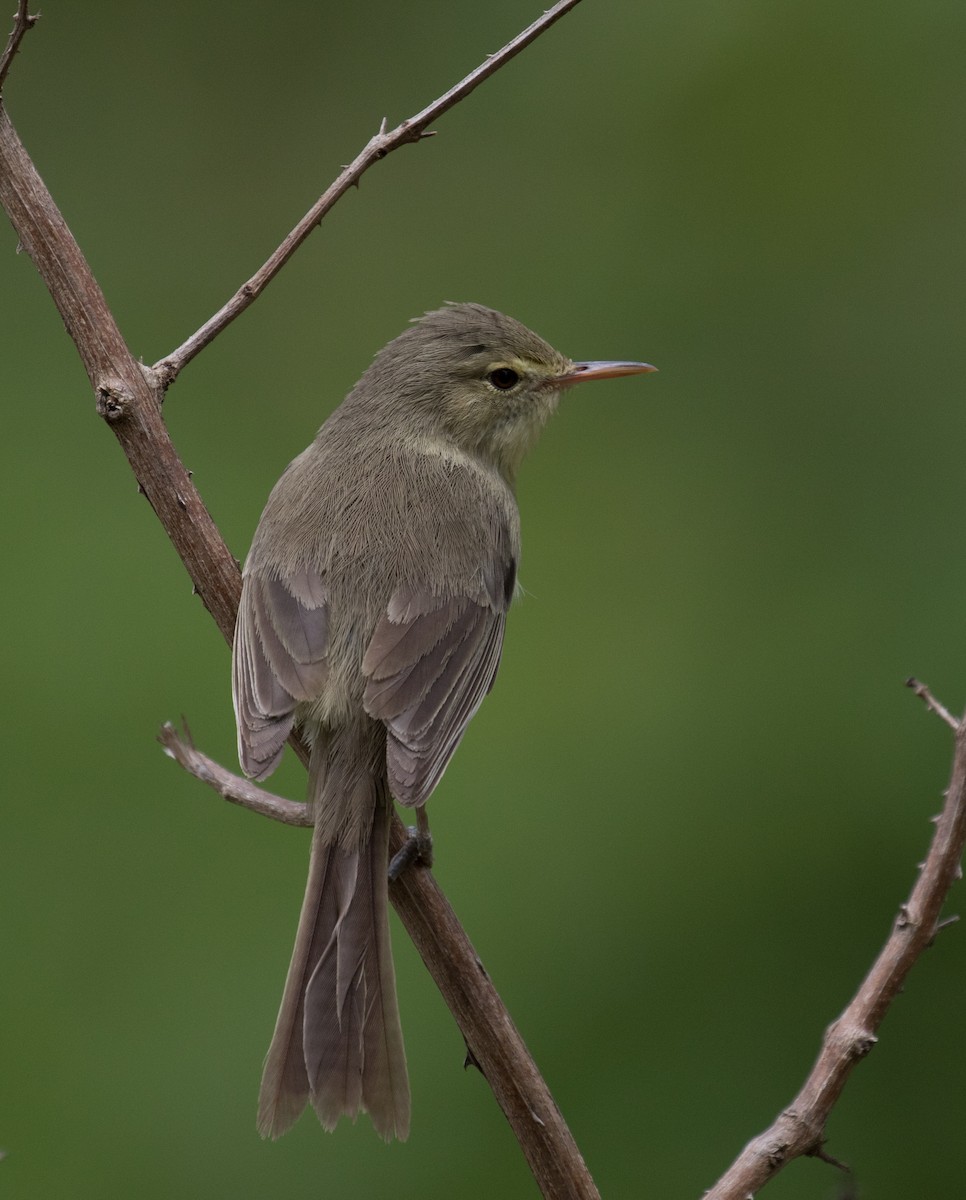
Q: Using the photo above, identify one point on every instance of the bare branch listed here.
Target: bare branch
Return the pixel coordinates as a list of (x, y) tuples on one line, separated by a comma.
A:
[(930, 701), (800, 1128), (230, 787), (381, 144), (22, 21)]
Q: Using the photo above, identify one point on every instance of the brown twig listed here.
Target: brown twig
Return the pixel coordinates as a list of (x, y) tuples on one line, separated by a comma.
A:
[(129, 399), (930, 701), (800, 1128), (22, 21), (412, 130), (231, 787)]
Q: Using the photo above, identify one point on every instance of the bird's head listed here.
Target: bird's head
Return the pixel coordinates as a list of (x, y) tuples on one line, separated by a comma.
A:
[(481, 380)]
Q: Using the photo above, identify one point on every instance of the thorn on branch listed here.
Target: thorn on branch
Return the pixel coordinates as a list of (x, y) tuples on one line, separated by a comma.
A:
[(471, 1060), (930, 701)]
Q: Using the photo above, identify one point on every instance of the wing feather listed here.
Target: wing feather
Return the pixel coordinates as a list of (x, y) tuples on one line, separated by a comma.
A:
[(429, 664), (278, 660)]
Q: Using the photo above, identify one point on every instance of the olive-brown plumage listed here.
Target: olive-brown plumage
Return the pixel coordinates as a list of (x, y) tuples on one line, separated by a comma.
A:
[(373, 605)]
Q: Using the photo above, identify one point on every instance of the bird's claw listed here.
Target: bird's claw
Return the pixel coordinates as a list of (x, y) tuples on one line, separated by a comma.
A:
[(417, 848)]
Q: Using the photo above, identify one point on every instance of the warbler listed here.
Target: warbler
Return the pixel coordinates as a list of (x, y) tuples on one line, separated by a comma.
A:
[(372, 614)]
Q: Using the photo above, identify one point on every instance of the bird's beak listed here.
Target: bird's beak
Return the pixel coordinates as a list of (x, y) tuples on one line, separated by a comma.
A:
[(602, 370)]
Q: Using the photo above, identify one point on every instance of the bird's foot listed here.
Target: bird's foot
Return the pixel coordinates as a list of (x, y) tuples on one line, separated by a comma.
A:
[(416, 849)]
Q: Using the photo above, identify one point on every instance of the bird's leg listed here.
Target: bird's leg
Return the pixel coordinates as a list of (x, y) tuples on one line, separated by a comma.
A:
[(417, 848)]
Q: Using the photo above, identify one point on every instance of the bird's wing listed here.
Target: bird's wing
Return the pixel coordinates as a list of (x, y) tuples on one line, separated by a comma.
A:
[(278, 660), (430, 662)]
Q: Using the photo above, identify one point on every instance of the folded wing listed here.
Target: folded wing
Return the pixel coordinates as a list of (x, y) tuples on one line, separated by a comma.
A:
[(278, 660), (430, 663)]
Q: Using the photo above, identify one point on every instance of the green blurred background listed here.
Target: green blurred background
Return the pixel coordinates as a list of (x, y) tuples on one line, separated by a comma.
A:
[(679, 830)]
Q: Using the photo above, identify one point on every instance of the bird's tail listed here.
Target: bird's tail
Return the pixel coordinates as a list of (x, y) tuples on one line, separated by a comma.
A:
[(338, 1041)]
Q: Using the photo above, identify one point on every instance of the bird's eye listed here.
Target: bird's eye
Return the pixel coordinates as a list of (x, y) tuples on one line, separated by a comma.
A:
[(504, 378)]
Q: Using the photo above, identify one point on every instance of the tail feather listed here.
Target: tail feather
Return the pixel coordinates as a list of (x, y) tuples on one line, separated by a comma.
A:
[(338, 1041)]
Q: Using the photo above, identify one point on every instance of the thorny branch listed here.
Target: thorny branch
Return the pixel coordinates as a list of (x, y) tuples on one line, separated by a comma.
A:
[(800, 1128), (22, 21), (930, 701), (383, 143)]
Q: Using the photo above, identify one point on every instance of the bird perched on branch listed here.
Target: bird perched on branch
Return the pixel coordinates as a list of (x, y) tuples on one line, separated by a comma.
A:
[(373, 605)]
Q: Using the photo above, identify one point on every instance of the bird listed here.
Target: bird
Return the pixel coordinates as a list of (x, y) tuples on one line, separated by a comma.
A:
[(372, 613)]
